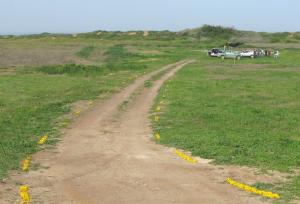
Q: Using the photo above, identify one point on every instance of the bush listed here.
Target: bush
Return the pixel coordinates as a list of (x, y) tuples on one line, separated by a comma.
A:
[(297, 36), (86, 51), (217, 32), (71, 69), (116, 53)]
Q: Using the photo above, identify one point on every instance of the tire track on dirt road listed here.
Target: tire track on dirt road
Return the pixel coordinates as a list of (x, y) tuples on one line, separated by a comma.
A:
[(106, 156)]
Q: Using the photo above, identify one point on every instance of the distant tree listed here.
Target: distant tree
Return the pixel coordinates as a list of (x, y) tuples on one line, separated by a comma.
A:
[(217, 32)]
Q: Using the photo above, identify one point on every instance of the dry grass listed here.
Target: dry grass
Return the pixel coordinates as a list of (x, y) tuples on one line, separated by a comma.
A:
[(36, 52)]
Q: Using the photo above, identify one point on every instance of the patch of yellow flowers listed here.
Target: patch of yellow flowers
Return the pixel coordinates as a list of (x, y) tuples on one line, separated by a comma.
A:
[(185, 157), (158, 108), (252, 189), (78, 112), (23, 190), (157, 136), (43, 139), (26, 163), (24, 194)]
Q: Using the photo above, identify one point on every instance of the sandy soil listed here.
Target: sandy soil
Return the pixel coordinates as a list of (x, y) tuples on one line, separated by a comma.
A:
[(108, 156)]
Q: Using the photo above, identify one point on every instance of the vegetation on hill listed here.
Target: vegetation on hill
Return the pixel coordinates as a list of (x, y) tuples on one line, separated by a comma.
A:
[(207, 33), (211, 32)]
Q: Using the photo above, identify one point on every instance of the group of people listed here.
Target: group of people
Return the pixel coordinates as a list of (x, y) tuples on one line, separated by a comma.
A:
[(270, 53)]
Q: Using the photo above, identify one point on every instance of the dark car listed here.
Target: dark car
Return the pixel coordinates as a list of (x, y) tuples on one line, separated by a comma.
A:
[(215, 52)]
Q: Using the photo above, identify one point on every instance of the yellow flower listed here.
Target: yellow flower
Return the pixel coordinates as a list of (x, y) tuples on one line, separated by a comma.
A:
[(43, 139), (157, 136), (24, 194), (185, 157), (252, 190), (26, 164)]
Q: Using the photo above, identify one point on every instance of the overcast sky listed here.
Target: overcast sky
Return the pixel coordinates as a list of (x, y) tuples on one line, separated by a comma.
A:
[(70, 16)]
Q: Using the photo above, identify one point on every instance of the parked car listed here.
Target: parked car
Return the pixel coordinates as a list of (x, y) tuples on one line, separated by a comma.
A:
[(231, 55), (260, 53), (248, 53), (215, 52)]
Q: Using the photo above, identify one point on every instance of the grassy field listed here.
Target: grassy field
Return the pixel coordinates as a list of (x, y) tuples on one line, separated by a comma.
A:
[(34, 98), (244, 114)]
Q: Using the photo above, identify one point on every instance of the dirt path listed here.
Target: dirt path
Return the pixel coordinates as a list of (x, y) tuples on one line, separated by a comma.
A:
[(107, 157)]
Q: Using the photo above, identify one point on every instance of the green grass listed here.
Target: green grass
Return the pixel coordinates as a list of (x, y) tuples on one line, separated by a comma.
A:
[(72, 69), (265, 186), (158, 75), (290, 190), (117, 57), (32, 103), (155, 77), (246, 114), (86, 51), (33, 99), (117, 53), (148, 83)]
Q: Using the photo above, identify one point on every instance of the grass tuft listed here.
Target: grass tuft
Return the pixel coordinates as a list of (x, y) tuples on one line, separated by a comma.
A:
[(86, 51), (72, 69)]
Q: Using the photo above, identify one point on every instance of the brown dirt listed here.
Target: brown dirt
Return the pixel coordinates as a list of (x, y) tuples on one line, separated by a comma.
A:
[(108, 156)]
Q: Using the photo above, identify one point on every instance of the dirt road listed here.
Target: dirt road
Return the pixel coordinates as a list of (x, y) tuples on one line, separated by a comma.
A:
[(107, 156)]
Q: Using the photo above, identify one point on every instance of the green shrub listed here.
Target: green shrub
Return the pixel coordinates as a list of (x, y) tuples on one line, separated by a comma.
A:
[(116, 53), (119, 58), (297, 36), (216, 32), (86, 51), (71, 69)]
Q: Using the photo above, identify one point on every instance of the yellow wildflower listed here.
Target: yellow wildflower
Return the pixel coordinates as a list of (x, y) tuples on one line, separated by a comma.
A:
[(185, 157), (26, 164), (24, 194), (43, 139), (252, 189), (157, 136)]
